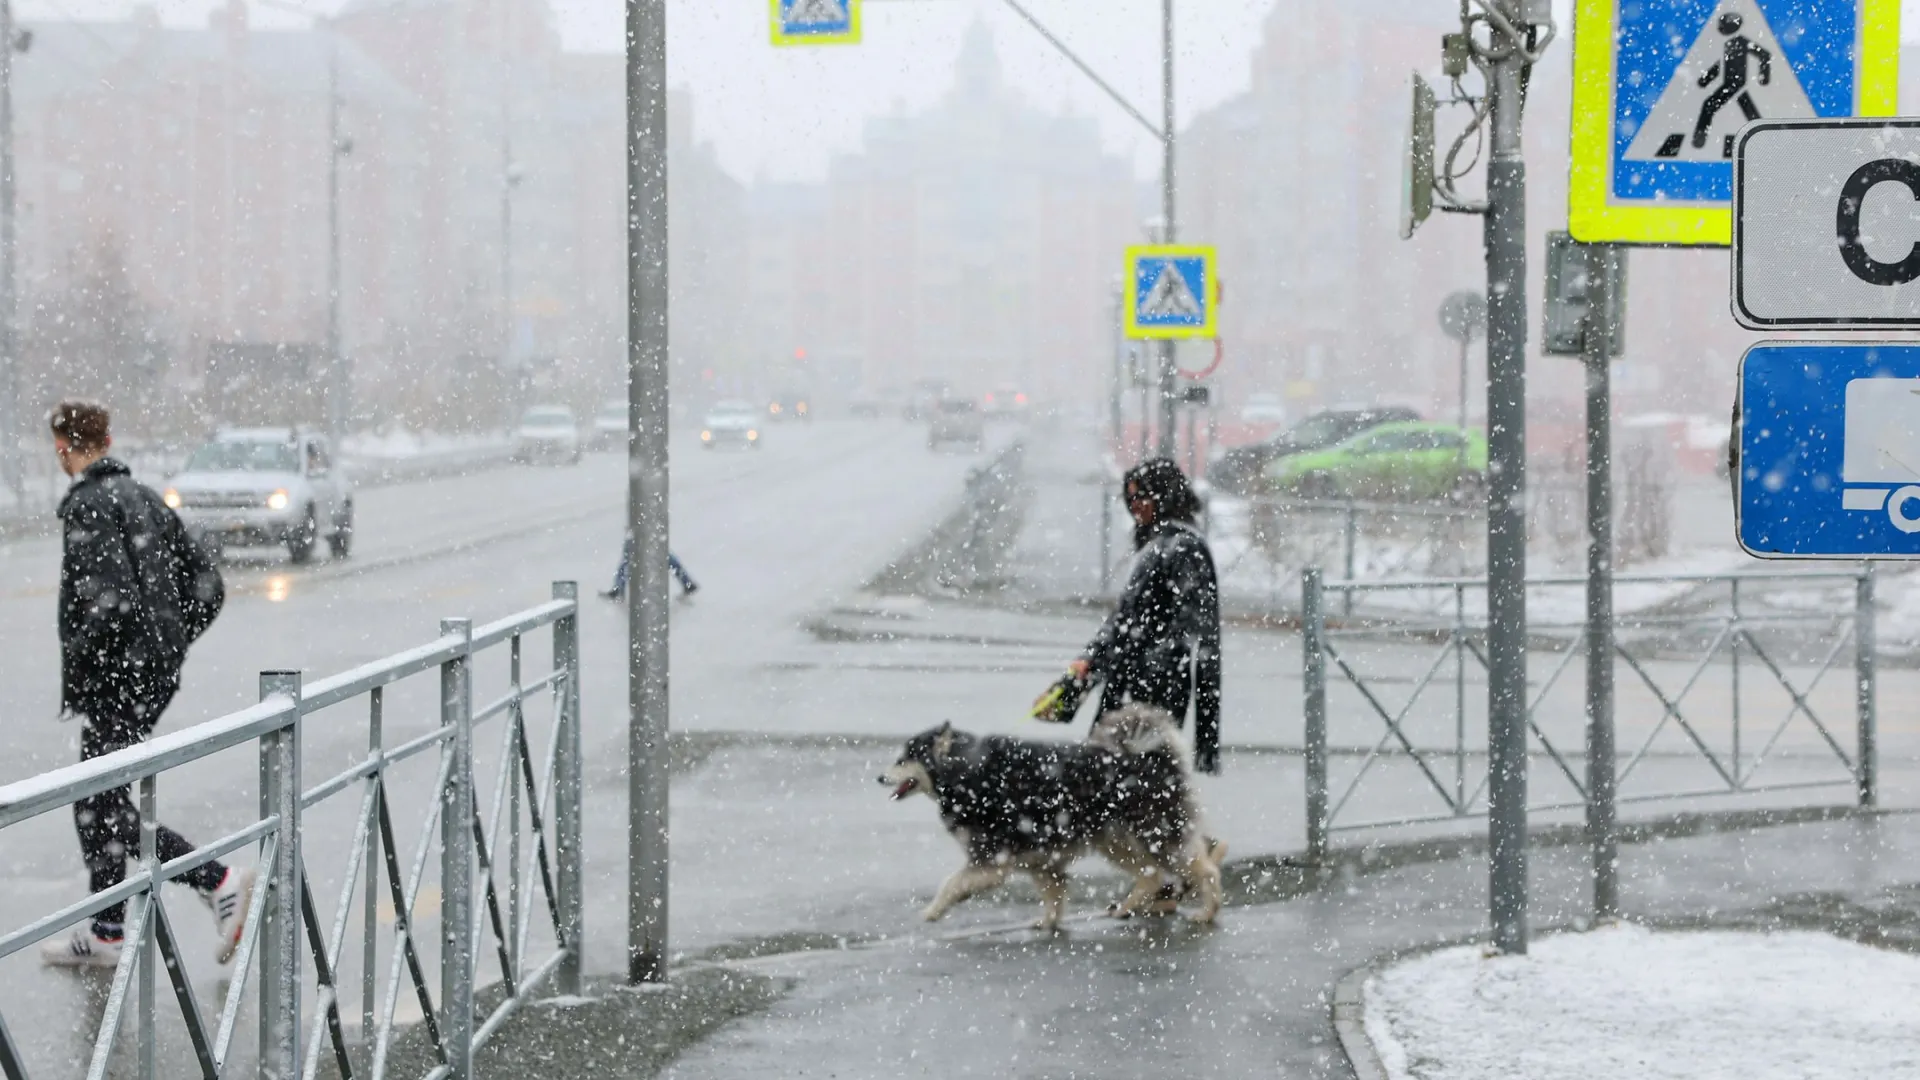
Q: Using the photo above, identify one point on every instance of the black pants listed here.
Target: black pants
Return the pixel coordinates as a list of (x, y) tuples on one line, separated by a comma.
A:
[(109, 823)]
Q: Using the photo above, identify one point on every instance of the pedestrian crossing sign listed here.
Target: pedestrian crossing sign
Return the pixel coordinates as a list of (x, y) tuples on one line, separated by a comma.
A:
[(1661, 87), (816, 22), (1175, 292)]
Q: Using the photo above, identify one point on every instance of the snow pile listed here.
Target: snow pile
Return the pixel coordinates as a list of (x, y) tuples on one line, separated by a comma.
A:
[(1633, 1004)]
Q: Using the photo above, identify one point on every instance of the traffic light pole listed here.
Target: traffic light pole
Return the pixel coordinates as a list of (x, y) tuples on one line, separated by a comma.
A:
[(1603, 276)]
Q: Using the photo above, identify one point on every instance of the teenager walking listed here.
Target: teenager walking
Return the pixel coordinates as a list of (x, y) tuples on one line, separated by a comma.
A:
[(135, 591)]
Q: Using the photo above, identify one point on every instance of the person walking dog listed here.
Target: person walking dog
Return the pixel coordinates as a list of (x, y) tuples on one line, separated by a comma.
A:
[(1161, 644), (135, 592)]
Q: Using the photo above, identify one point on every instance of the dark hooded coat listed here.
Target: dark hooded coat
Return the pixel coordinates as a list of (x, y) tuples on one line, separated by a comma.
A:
[(1161, 645)]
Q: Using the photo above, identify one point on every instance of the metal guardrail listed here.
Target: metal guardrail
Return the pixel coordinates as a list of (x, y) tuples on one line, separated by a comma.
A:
[(1455, 635), (1394, 538), (540, 834)]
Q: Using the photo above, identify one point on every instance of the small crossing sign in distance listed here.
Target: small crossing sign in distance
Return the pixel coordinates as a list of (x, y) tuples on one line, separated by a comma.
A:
[(816, 22), (1175, 292), (1662, 87)]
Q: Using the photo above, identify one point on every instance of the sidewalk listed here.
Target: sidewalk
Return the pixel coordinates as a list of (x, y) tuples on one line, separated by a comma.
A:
[(981, 996)]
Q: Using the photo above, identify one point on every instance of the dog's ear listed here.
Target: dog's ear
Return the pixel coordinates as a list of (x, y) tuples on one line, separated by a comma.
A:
[(943, 741)]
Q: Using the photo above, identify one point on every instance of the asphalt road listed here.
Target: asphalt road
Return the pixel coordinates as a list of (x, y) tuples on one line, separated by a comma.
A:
[(771, 535)]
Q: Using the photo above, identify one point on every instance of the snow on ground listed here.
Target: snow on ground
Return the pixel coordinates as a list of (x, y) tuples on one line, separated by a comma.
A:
[(1635, 1004)]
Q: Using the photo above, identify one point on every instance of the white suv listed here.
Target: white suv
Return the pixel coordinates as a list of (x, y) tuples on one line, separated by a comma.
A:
[(266, 486)]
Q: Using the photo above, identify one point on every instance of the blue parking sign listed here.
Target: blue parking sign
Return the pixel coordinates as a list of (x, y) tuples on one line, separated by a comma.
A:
[(1829, 451)]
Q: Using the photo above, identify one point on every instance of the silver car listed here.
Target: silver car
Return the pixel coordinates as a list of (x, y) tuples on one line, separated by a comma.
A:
[(266, 486), (547, 433), (731, 423)]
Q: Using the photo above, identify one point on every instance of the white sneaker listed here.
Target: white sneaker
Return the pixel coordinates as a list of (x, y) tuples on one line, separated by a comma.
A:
[(230, 900), (83, 949)]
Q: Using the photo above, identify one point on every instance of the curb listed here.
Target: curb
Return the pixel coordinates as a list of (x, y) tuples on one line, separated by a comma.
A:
[(1350, 1024)]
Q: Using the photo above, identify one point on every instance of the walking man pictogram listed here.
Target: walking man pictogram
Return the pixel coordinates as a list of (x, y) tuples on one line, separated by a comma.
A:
[(1732, 71)]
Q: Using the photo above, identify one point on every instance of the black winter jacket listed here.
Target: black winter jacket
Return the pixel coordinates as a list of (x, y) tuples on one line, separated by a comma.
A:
[(1161, 645), (135, 591)]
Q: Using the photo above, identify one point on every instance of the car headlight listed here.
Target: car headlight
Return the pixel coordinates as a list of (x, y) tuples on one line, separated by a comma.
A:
[(278, 500), (752, 435), (172, 499), (706, 436)]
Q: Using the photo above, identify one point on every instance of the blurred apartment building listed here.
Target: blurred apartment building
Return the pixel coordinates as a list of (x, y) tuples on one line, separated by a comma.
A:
[(976, 242), (482, 188)]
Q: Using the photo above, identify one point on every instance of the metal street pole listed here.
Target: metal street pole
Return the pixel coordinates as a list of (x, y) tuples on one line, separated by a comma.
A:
[(1506, 247), (1602, 277), (336, 363), (1466, 345), (647, 490), (1170, 231), (507, 181), (9, 302), (1116, 427)]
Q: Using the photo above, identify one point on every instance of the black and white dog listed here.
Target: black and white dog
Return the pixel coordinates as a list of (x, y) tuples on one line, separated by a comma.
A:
[(1016, 804)]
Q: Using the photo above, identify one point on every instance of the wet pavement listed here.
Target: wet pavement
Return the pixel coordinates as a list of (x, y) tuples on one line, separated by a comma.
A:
[(794, 683), (984, 996)]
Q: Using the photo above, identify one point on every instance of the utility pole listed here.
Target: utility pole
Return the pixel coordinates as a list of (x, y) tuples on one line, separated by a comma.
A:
[(647, 652), (507, 182), (1116, 432), (1603, 263), (338, 385), (1505, 227), (10, 432), (1170, 229)]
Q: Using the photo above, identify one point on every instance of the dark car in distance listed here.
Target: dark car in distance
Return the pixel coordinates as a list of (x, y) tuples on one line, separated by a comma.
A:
[(1241, 470)]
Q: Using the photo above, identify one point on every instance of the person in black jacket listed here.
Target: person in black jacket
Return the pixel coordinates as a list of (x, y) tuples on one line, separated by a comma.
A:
[(135, 591), (1161, 645)]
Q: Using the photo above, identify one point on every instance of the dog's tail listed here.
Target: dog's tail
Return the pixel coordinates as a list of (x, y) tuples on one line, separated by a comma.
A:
[(1141, 731)]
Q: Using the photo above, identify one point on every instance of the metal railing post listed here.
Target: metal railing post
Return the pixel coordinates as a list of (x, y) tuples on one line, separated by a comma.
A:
[(370, 894), (1353, 540), (1733, 601), (1866, 687), (1314, 738), (1460, 699), (280, 884), (457, 855), (144, 905), (567, 791)]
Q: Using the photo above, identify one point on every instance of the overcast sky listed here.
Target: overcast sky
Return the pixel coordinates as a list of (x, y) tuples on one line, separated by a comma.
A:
[(780, 113)]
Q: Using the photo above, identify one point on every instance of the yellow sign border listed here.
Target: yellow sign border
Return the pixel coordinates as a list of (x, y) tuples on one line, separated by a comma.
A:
[(785, 40), (1591, 219), (1211, 328)]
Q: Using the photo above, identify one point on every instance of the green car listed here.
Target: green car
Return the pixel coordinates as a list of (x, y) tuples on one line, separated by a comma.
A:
[(1407, 460)]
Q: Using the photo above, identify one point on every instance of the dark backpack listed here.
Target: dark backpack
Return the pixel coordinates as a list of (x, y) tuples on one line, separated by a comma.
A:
[(188, 585)]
